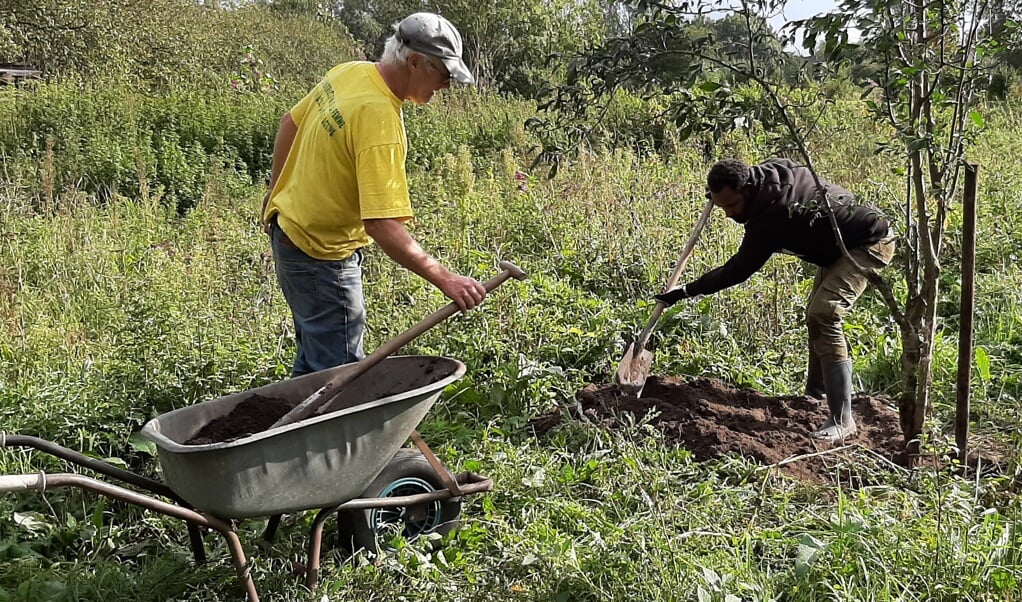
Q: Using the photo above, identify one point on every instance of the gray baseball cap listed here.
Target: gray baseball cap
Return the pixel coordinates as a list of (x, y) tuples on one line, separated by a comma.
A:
[(432, 34)]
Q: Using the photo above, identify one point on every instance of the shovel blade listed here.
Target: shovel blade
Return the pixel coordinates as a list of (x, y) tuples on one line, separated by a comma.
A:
[(633, 370)]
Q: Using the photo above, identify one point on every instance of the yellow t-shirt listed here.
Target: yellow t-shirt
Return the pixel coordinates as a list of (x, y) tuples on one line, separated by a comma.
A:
[(347, 164)]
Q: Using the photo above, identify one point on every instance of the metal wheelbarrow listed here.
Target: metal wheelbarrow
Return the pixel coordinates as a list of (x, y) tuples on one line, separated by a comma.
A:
[(345, 459)]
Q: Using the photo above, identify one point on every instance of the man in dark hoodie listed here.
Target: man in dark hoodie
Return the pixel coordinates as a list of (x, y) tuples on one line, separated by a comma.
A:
[(776, 203)]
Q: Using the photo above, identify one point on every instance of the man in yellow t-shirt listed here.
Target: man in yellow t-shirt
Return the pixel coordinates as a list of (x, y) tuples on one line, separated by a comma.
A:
[(338, 181)]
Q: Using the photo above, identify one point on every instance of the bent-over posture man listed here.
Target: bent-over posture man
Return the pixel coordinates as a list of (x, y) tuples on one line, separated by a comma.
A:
[(774, 202), (338, 180)]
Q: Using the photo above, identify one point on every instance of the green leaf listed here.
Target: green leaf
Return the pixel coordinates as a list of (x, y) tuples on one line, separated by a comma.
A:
[(53, 589), (116, 461), (31, 521), (809, 550), (976, 118), (142, 445), (982, 361), (97, 514), (11, 550), (711, 576)]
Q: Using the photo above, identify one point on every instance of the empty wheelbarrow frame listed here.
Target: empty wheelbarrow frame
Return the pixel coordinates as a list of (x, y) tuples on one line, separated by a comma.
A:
[(331, 462)]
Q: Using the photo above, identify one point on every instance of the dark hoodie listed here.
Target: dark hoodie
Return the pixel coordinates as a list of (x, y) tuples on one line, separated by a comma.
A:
[(780, 218)]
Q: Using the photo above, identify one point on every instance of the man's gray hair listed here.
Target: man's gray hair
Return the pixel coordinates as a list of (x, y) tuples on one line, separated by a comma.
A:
[(395, 52)]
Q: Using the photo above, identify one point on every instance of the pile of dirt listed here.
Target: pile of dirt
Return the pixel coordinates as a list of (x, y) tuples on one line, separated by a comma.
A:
[(711, 419), (254, 414)]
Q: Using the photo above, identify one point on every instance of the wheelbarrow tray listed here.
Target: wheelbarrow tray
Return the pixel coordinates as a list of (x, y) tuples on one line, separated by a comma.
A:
[(320, 462)]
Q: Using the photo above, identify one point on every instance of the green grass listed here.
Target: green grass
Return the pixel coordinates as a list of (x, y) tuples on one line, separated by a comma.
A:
[(114, 311)]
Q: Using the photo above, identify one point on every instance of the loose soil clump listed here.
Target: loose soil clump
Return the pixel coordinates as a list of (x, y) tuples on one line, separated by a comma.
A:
[(254, 414), (712, 419)]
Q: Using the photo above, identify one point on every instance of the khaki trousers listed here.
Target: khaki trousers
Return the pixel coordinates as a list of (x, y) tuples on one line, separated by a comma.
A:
[(835, 288)]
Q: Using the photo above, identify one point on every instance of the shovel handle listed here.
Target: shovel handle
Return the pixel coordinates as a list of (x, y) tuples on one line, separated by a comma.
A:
[(332, 388), (704, 217)]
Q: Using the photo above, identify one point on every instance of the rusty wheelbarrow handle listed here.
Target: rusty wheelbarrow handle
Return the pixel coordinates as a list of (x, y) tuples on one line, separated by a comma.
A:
[(332, 388), (43, 482)]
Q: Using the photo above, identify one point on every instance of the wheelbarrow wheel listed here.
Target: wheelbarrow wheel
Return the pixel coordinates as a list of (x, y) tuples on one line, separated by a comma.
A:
[(408, 473)]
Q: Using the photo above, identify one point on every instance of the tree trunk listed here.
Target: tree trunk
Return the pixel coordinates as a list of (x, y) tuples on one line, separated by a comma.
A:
[(910, 351), (917, 360)]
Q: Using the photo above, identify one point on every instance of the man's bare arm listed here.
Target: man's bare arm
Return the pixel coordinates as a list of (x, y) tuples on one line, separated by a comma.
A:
[(395, 240)]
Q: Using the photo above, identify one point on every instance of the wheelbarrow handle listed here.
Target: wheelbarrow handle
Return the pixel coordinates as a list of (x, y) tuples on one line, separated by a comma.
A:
[(332, 388), (21, 482)]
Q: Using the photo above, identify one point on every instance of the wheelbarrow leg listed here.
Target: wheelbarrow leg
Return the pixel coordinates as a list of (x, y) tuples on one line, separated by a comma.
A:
[(195, 537), (240, 564), (271, 528), (43, 481), (316, 546)]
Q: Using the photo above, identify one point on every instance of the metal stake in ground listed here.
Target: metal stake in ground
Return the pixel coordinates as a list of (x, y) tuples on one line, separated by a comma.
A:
[(333, 388), (633, 370)]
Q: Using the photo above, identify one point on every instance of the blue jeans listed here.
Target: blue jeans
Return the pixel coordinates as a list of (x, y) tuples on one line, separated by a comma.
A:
[(326, 304)]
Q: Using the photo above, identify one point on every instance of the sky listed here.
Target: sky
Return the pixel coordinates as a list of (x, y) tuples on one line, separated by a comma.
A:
[(795, 10), (800, 9)]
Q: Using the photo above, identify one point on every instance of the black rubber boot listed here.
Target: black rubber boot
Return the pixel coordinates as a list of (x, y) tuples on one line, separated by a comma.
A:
[(814, 377), (840, 425)]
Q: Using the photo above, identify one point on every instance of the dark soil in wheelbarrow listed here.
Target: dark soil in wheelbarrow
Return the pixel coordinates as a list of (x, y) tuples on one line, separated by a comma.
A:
[(712, 419), (254, 414)]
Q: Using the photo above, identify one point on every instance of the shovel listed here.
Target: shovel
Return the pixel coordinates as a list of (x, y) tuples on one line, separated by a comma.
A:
[(333, 387), (633, 370)]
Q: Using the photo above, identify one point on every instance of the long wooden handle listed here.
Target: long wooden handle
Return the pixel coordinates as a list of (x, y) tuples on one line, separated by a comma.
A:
[(676, 275), (332, 388)]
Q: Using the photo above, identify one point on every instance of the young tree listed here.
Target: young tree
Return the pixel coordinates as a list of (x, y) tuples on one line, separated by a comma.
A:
[(934, 59)]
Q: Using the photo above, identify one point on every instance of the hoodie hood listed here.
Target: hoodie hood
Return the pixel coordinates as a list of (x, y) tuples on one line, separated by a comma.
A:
[(774, 182)]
